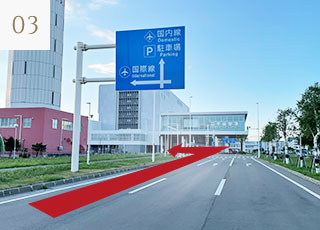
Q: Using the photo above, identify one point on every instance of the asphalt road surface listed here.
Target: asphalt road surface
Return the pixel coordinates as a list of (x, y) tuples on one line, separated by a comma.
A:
[(221, 192)]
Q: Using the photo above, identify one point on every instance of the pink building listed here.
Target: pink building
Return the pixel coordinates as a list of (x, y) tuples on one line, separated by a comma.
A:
[(51, 127)]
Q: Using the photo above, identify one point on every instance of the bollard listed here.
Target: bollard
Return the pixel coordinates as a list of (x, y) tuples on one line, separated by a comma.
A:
[(301, 162), (287, 159), (316, 162)]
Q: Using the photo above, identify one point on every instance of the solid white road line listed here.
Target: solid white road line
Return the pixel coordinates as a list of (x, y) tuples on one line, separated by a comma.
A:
[(220, 187), (231, 162), (146, 186), (215, 164), (205, 162), (59, 189), (292, 181)]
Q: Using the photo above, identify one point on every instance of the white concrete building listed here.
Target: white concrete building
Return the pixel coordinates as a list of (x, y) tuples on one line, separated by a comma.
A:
[(126, 119), (34, 77)]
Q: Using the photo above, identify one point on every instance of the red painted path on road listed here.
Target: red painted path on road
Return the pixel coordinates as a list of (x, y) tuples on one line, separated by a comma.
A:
[(66, 202)]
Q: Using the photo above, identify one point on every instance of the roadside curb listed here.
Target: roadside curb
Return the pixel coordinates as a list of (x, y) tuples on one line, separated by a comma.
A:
[(295, 173), (50, 184)]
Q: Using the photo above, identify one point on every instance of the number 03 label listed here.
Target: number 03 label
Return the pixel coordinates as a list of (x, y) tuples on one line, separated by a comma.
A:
[(25, 25)]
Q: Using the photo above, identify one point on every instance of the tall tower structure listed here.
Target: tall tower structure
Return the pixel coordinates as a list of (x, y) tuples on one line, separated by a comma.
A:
[(34, 77)]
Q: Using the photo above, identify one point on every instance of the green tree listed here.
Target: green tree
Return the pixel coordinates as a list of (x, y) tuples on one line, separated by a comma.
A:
[(39, 148), (2, 146), (308, 115), (242, 139), (9, 145), (286, 125), (270, 133)]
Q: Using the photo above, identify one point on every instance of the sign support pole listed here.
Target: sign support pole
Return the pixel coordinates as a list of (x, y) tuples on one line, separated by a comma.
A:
[(80, 48), (153, 125), (77, 111)]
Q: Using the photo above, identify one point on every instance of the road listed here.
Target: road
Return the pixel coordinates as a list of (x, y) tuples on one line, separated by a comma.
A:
[(219, 192)]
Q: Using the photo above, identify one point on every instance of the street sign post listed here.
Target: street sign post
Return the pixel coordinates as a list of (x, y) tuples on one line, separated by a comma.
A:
[(152, 59)]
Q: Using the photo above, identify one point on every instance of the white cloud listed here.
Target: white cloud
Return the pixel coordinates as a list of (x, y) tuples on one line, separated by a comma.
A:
[(69, 7), (108, 35), (97, 4), (73, 9), (104, 68)]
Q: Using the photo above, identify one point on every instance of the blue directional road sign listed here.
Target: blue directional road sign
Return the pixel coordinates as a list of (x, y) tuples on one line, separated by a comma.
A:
[(152, 59)]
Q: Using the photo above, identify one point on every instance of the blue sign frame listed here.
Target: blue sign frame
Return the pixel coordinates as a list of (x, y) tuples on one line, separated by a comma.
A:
[(151, 59)]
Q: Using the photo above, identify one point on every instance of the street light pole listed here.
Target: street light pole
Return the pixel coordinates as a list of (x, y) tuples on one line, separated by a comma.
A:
[(88, 138), (258, 131), (20, 126), (190, 123), (15, 141)]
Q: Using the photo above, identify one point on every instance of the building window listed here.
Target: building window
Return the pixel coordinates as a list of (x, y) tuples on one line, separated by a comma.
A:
[(54, 71), (27, 122), (52, 98), (55, 45), (54, 123), (25, 67), (12, 68), (7, 122), (56, 20), (67, 125)]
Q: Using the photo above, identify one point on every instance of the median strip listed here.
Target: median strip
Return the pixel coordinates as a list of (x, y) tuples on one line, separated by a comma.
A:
[(60, 189)]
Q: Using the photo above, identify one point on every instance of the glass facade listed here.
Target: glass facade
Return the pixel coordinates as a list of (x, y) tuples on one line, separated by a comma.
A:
[(203, 122), (118, 137)]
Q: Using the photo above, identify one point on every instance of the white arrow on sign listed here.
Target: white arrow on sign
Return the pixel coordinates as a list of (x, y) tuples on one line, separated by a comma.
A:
[(162, 82)]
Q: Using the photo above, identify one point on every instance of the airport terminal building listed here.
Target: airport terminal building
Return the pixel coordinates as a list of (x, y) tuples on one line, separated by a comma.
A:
[(126, 119), (203, 129), (126, 123)]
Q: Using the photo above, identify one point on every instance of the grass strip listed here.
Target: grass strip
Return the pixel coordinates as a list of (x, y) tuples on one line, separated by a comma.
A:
[(292, 166), (22, 177), (25, 162)]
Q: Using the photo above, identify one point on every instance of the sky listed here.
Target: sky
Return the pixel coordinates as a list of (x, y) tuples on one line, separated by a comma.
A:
[(238, 53)]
